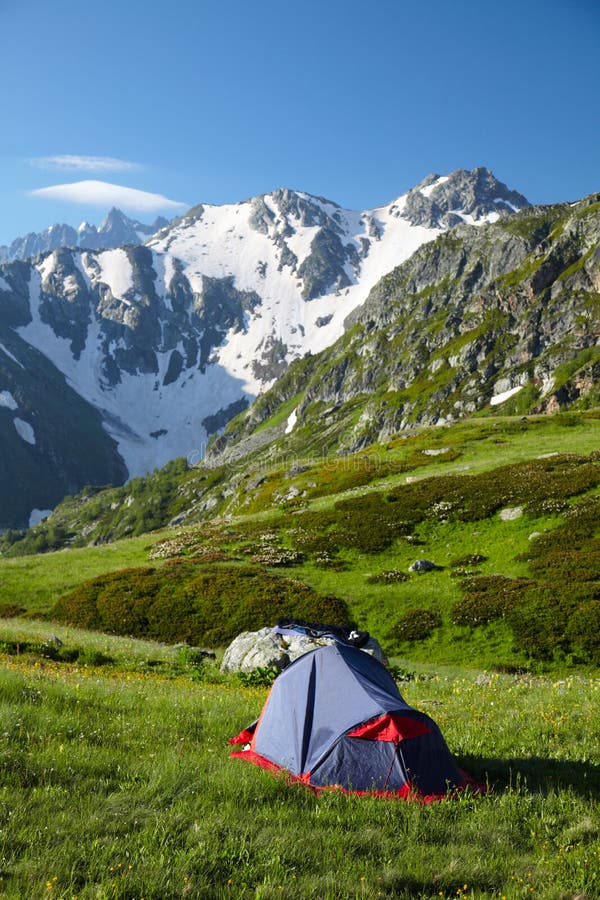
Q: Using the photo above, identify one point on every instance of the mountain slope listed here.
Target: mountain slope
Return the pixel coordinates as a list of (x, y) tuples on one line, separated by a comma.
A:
[(170, 340), (115, 230), (507, 316), (52, 442)]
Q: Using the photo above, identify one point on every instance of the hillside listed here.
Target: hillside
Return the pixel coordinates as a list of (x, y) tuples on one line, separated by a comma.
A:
[(504, 509)]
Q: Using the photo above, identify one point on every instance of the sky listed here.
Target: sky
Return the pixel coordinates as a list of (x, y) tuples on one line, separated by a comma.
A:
[(156, 107)]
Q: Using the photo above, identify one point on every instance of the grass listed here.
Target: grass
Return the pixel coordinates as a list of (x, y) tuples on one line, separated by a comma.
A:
[(117, 783), (36, 582)]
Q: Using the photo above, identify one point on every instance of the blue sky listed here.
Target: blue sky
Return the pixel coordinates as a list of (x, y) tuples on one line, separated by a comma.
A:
[(197, 100)]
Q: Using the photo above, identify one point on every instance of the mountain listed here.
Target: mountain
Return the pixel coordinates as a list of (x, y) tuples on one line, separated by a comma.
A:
[(170, 340), (480, 324), (115, 230), (504, 318)]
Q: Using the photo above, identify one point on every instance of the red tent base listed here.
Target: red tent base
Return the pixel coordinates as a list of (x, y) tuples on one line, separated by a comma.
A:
[(405, 793)]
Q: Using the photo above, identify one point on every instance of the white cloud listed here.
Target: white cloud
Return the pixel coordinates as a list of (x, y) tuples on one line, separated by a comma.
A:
[(102, 193), (78, 163)]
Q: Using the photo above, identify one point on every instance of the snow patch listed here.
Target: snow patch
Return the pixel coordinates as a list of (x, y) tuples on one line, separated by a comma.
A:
[(7, 400), (426, 191), (500, 398), (24, 430), (115, 271), (507, 202), (292, 419), (4, 285), (46, 267), (471, 220), (10, 356), (38, 515)]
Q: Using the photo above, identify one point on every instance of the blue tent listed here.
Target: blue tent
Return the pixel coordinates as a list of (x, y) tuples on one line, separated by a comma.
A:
[(335, 718)]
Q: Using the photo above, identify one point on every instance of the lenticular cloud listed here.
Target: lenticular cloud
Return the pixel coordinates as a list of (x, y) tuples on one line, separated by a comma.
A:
[(78, 163), (102, 193)]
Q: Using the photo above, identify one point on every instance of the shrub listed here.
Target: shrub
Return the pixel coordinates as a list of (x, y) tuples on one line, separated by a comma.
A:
[(487, 597), (188, 602), (583, 629), (54, 650), (262, 676), (539, 621), (399, 673), (388, 576), (10, 610), (415, 625), (470, 559)]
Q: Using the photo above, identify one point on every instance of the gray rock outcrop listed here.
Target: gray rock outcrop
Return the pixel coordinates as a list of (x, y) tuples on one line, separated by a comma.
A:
[(257, 649)]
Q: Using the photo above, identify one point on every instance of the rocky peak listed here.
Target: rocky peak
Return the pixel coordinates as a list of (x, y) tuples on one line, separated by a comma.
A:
[(463, 196), (115, 230)]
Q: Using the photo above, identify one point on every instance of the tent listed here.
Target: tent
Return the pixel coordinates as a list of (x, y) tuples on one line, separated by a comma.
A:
[(335, 718)]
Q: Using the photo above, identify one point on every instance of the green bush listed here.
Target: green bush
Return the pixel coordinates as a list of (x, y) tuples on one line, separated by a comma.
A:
[(471, 559), (487, 597), (415, 625), (262, 676), (583, 629), (188, 602), (56, 651), (539, 621), (10, 610), (388, 576)]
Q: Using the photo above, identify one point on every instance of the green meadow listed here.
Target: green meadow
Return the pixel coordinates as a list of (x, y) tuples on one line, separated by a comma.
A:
[(116, 780)]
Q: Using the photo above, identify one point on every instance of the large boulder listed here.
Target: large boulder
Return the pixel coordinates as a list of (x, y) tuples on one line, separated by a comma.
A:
[(258, 649)]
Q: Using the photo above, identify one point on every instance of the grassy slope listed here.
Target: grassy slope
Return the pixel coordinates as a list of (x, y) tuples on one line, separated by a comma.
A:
[(117, 783), (35, 582)]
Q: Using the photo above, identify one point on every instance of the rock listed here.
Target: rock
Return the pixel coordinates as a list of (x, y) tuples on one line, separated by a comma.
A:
[(257, 649), (291, 494), (256, 482), (510, 513), (422, 565), (296, 470), (482, 678), (178, 520), (436, 452)]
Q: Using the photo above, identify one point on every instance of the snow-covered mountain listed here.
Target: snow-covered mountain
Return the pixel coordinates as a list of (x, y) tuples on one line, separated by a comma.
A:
[(115, 230), (169, 340)]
